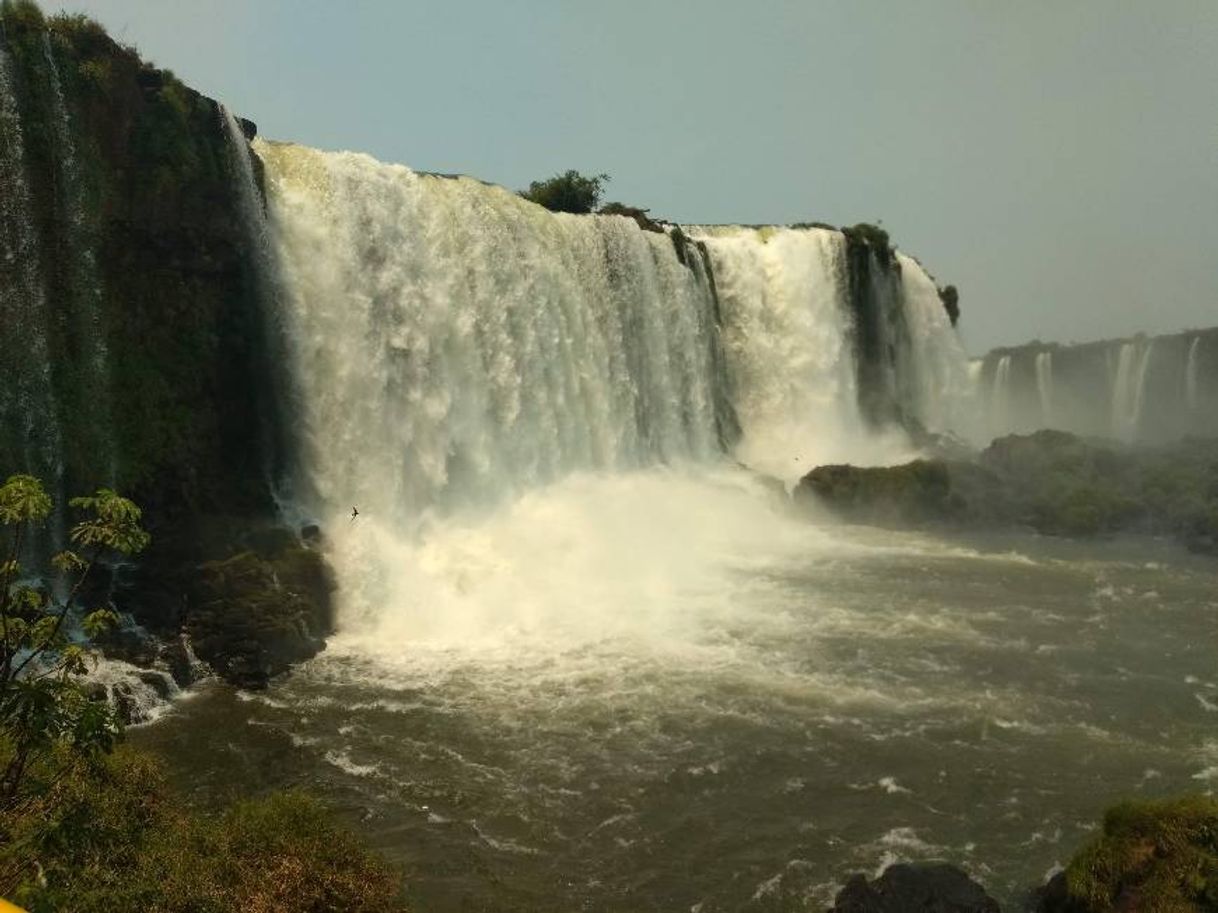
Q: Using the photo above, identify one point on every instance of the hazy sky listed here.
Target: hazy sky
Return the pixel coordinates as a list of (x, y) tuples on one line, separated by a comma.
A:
[(1056, 160)]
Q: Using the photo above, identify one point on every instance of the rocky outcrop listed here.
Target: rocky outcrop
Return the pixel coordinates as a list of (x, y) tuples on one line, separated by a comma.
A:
[(915, 888), (639, 216), (1148, 856), (254, 614), (1052, 482)]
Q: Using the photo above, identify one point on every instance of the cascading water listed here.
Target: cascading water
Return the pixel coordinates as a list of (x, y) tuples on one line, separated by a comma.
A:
[(1000, 397), (455, 348), (1129, 389), (944, 391), (276, 394), (29, 421), (1191, 385), (456, 343), (786, 341), (1044, 387)]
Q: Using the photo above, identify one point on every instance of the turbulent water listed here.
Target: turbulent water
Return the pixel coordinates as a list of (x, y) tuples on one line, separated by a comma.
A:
[(587, 658), (659, 690)]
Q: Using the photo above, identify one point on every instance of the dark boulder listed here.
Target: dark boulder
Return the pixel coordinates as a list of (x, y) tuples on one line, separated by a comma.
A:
[(915, 888), (178, 658), (1054, 897), (161, 683), (914, 493), (251, 617)]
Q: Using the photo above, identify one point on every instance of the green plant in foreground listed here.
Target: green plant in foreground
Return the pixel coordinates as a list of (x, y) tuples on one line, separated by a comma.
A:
[(1160, 856), (112, 836), (44, 711)]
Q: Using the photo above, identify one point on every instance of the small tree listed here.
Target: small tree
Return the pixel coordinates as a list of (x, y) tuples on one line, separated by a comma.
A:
[(44, 710), (568, 192)]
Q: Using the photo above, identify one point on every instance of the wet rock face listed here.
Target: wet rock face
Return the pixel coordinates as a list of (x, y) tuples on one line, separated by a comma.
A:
[(915, 888)]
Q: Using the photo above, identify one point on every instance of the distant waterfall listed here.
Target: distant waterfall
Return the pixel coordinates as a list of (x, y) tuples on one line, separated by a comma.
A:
[(1191, 385), (1044, 387), (454, 343), (1000, 397), (29, 423), (1146, 390), (1129, 389)]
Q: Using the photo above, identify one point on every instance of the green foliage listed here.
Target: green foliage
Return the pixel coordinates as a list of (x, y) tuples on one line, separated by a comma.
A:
[(1162, 856), (873, 237), (23, 500), (79, 28), (21, 12), (113, 837), (914, 493), (95, 72), (44, 712), (568, 192)]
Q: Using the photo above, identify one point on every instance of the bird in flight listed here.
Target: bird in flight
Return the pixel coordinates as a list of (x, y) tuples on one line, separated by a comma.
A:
[(354, 513)]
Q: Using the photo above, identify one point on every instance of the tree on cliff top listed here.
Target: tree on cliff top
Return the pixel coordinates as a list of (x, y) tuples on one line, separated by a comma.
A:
[(568, 192)]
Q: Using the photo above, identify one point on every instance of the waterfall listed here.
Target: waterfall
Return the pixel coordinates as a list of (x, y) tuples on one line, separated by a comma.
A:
[(943, 389), (1129, 389), (1191, 388), (1000, 398), (276, 393), (29, 422), (786, 340), (455, 344), (1044, 387), (88, 384)]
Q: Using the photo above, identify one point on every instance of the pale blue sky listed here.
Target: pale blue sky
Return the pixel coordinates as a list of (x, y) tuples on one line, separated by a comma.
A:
[(1057, 160)]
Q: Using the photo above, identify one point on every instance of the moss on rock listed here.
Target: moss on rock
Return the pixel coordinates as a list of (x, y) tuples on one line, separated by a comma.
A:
[(251, 616), (1151, 856)]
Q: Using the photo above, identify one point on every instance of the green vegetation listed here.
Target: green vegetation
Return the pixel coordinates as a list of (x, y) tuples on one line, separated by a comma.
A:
[(912, 493), (21, 12), (254, 614), (47, 723), (568, 192), (1154, 857), (872, 236), (86, 827), (112, 837)]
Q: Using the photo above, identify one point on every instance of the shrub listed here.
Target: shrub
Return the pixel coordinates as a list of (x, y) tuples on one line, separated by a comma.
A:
[(872, 236), (1156, 857), (568, 192), (21, 12), (114, 838)]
